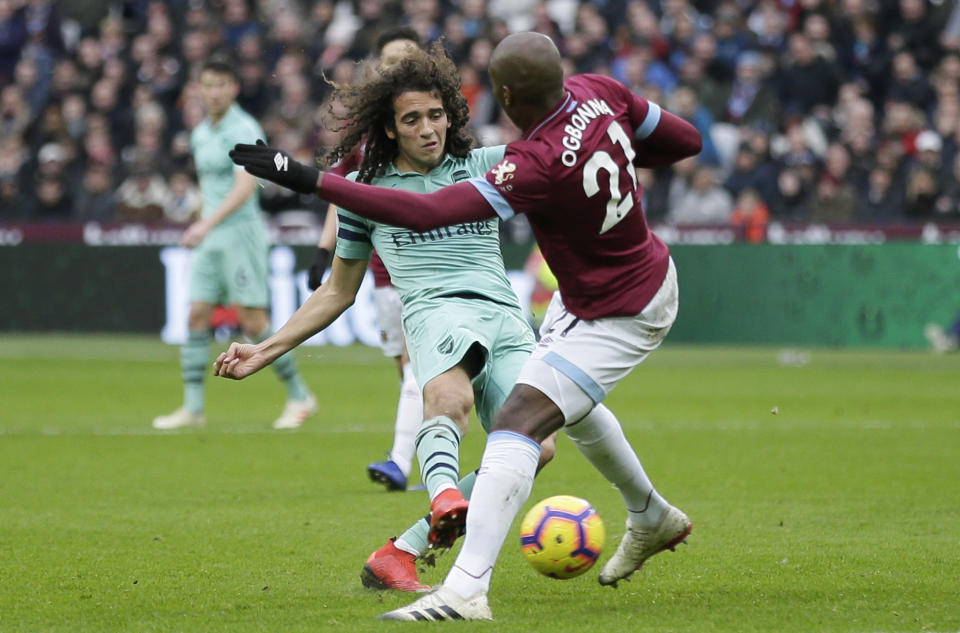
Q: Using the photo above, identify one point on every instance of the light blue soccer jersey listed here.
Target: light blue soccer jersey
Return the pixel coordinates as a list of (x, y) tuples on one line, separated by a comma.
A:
[(464, 258), (211, 145)]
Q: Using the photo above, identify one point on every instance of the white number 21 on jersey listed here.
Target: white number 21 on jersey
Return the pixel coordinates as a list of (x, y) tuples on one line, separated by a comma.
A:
[(619, 205)]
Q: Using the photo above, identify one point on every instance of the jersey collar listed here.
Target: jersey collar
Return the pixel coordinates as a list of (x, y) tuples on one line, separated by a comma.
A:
[(391, 169), (558, 109)]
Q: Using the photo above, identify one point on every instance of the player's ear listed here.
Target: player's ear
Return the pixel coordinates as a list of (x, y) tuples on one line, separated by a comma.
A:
[(390, 132)]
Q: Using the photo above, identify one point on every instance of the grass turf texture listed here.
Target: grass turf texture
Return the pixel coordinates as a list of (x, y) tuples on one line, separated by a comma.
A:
[(838, 513)]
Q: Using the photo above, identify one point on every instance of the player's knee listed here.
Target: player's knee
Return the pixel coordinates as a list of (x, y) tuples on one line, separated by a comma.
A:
[(528, 412), (199, 318), (448, 405), (253, 323)]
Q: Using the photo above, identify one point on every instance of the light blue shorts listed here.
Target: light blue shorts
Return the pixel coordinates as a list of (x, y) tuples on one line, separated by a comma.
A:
[(440, 331), (230, 267)]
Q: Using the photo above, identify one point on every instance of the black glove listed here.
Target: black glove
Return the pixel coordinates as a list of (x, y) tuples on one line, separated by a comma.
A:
[(315, 273), (276, 166)]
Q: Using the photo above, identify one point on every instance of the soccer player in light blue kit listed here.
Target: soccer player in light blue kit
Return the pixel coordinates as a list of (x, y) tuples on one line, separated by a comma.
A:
[(229, 264), (464, 327)]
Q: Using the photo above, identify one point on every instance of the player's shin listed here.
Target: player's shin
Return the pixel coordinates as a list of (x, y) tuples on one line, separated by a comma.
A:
[(193, 368), (503, 485), (600, 438), (438, 451)]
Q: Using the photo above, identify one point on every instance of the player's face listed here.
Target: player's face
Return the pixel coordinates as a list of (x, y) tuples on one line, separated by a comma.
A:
[(420, 124), (218, 90)]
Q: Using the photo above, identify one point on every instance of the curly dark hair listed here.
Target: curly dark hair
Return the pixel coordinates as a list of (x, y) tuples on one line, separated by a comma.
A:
[(367, 109)]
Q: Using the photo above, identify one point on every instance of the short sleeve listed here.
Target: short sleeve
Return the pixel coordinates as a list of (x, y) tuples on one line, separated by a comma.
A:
[(487, 157), (353, 233)]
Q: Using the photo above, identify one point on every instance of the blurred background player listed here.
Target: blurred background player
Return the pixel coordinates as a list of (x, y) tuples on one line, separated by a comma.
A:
[(392, 46), (941, 340), (230, 242)]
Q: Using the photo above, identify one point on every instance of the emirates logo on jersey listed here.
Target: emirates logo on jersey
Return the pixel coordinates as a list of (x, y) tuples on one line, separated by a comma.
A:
[(503, 172)]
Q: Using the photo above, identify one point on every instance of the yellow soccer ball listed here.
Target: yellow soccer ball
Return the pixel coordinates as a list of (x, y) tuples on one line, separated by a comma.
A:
[(562, 536)]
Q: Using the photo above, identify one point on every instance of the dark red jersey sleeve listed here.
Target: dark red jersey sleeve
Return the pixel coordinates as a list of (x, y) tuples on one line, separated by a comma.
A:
[(453, 204)]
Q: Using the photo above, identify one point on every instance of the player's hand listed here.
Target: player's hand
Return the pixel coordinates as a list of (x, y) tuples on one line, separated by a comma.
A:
[(194, 234), (276, 166), (315, 273), (239, 361)]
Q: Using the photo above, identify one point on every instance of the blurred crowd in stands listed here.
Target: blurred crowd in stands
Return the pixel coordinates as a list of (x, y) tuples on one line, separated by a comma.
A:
[(812, 111)]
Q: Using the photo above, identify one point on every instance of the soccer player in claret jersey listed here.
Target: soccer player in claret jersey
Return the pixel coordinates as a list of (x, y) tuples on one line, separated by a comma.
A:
[(572, 174)]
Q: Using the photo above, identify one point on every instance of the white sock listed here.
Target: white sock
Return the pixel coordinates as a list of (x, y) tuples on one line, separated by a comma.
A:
[(600, 438), (409, 417), (503, 484)]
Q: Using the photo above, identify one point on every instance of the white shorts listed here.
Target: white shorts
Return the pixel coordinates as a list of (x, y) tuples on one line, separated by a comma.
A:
[(389, 309), (577, 363)]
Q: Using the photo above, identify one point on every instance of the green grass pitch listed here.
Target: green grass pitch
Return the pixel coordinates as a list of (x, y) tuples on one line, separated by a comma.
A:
[(838, 513)]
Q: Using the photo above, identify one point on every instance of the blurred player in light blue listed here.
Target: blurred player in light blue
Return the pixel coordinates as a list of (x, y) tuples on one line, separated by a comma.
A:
[(230, 243)]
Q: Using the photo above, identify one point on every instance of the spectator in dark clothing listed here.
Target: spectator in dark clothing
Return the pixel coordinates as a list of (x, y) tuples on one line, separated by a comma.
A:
[(53, 203), (731, 36), (882, 201), (793, 198), (237, 22), (910, 83), (42, 20), (923, 189), (254, 96), (864, 56), (96, 200), (947, 206), (834, 203), (13, 38), (749, 173), (749, 99), (807, 80), (14, 205), (916, 32)]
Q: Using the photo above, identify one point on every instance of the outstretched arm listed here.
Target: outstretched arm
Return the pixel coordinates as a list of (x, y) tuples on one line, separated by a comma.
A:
[(420, 212), (317, 312), (417, 211)]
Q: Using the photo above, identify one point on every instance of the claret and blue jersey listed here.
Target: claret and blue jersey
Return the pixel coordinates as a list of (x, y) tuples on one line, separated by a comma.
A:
[(572, 174)]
